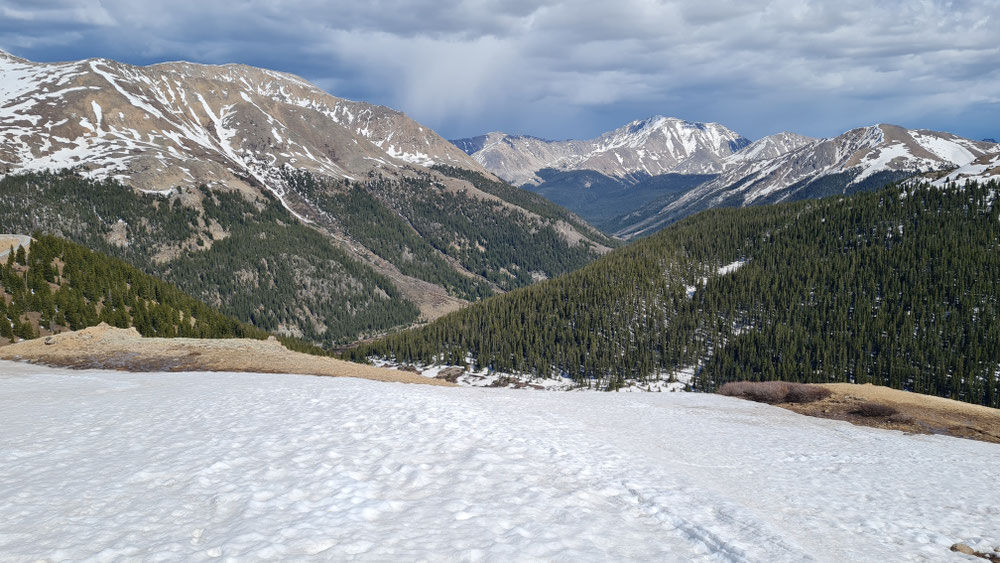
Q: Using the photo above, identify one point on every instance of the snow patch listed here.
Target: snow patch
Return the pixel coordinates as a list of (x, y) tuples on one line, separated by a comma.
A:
[(190, 466)]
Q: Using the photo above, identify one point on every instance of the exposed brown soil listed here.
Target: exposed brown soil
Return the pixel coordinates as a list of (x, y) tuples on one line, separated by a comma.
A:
[(105, 347), (917, 414)]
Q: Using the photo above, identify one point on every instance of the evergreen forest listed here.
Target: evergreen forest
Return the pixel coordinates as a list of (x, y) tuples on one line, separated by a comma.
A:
[(58, 285), (245, 255), (896, 287)]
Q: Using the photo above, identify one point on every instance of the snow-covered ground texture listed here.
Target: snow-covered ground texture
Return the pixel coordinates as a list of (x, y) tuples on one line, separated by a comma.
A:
[(106, 466)]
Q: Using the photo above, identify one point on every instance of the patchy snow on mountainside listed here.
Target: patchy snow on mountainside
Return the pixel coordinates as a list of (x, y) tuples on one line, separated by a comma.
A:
[(855, 156), (182, 124), (983, 169), (766, 148), (108, 466)]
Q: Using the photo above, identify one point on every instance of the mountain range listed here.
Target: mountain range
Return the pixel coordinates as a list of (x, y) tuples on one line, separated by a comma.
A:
[(177, 124), (860, 159), (658, 145), (332, 220), (639, 178), (405, 224)]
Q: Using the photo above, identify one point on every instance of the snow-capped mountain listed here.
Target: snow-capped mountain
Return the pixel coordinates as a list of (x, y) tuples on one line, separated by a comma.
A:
[(654, 146), (177, 124), (861, 158), (771, 146)]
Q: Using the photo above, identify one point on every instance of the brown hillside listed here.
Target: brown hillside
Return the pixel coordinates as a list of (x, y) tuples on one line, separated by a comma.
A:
[(916, 413), (105, 347)]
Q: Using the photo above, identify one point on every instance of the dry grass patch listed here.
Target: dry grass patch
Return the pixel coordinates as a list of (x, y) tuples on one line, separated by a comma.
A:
[(868, 405), (105, 347), (875, 406)]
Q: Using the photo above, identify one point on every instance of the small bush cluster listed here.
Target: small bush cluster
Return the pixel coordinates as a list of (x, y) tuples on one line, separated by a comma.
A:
[(874, 410), (775, 391)]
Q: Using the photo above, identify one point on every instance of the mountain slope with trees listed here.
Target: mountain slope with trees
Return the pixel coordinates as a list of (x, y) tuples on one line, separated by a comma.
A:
[(896, 287), (58, 285), (246, 254), (249, 257)]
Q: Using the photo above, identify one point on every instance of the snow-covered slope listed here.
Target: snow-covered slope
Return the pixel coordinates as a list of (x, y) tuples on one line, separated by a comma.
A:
[(653, 146), (817, 168), (178, 124), (771, 146), (983, 169), (190, 467)]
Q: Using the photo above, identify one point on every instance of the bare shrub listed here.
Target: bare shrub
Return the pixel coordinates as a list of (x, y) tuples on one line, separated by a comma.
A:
[(802, 393), (774, 391), (874, 410)]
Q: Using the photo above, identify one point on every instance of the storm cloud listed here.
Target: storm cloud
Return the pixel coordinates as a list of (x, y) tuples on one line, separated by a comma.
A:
[(573, 68)]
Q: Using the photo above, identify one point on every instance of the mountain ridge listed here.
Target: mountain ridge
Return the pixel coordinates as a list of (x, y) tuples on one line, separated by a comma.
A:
[(861, 158), (655, 145), (247, 122)]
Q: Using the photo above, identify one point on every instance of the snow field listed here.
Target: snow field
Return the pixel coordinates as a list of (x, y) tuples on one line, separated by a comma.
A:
[(104, 466)]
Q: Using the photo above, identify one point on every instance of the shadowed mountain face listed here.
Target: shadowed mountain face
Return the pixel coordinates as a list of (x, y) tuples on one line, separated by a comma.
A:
[(598, 198)]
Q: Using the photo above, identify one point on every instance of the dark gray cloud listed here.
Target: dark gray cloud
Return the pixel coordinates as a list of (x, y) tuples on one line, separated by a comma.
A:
[(574, 68)]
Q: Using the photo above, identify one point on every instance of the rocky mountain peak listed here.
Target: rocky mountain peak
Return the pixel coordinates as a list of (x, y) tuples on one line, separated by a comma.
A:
[(655, 145), (180, 123)]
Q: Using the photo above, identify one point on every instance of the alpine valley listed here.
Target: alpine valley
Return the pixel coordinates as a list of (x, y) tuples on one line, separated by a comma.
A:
[(341, 223), (263, 195)]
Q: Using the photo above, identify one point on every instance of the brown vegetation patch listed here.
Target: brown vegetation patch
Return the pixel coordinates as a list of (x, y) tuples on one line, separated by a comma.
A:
[(914, 413), (774, 392), (875, 410), (105, 347)]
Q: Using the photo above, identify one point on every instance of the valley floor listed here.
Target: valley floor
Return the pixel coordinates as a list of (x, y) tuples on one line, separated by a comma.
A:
[(108, 465)]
